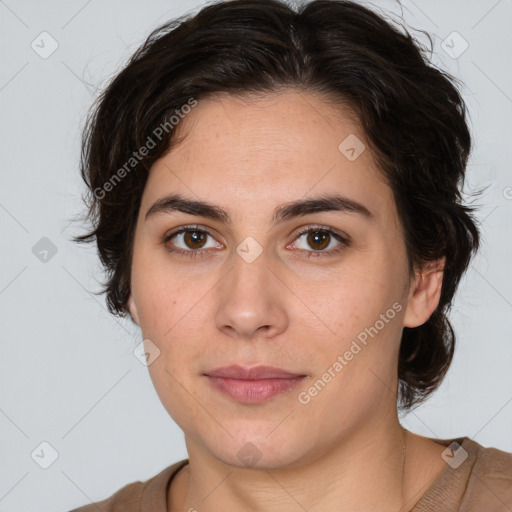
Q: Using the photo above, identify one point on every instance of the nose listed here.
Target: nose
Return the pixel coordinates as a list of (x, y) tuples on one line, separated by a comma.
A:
[(252, 300)]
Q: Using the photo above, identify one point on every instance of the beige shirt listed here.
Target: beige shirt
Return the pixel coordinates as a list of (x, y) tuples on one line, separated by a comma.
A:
[(482, 482)]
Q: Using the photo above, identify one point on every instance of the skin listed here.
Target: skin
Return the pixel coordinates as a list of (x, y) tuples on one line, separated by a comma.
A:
[(284, 310)]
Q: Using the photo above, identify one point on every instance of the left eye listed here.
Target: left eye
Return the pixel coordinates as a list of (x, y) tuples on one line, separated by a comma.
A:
[(321, 240)]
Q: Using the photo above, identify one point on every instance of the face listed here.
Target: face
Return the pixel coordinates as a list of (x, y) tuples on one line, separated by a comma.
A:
[(323, 294)]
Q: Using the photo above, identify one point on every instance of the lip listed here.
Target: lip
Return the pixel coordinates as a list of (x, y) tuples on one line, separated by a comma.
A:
[(254, 373), (252, 385)]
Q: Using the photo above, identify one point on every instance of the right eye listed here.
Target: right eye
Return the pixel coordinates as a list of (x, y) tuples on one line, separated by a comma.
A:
[(192, 240)]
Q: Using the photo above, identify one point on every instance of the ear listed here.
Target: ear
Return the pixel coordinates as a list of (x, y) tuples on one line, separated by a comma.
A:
[(132, 308), (424, 294)]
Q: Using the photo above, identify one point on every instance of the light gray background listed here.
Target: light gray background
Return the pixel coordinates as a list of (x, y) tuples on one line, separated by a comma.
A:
[(68, 374)]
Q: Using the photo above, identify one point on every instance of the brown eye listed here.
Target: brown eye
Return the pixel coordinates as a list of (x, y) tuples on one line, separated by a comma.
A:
[(318, 239), (195, 239), (190, 241), (193, 242)]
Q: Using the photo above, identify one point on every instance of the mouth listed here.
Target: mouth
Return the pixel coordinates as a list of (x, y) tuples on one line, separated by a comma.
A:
[(254, 373), (252, 385)]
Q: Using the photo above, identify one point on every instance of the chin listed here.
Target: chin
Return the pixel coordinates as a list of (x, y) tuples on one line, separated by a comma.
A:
[(259, 452)]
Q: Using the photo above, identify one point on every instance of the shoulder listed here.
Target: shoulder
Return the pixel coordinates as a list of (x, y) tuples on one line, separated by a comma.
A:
[(138, 496), (489, 485), (127, 498), (475, 478)]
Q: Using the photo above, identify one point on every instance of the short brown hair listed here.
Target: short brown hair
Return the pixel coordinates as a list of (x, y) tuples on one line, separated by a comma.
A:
[(412, 114)]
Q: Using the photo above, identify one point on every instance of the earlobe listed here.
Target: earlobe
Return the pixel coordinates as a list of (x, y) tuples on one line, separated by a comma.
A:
[(425, 294), (132, 308)]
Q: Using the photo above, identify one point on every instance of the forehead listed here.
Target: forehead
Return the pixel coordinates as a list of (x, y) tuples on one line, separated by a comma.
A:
[(277, 148), (270, 124)]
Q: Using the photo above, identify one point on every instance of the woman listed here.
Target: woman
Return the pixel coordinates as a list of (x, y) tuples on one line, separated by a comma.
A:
[(275, 194)]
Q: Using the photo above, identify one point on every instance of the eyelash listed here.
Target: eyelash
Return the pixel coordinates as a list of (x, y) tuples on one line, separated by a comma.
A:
[(193, 253)]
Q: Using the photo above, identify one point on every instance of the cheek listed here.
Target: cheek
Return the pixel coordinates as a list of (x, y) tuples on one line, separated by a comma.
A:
[(163, 296), (361, 314), (357, 370), (346, 301)]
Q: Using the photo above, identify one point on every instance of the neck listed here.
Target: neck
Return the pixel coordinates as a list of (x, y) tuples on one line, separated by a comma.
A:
[(367, 471)]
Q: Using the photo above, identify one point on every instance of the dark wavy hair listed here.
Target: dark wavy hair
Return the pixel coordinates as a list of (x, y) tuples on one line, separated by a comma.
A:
[(412, 114)]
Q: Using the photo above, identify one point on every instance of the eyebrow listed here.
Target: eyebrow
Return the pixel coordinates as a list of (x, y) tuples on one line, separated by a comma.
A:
[(177, 203)]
